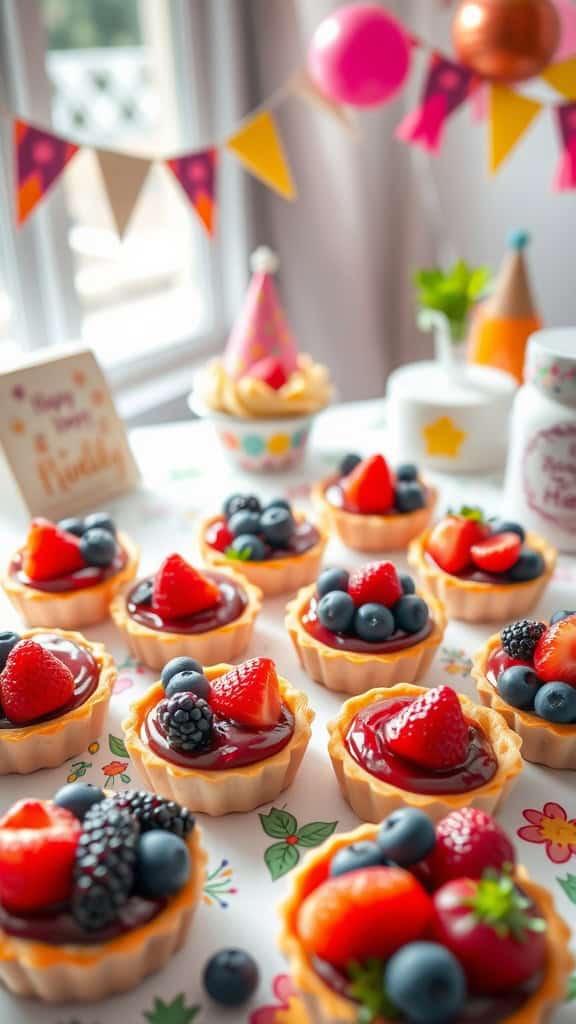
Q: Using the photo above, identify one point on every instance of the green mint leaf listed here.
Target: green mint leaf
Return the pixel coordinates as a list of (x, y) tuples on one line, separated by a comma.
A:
[(243, 555), (280, 858), (367, 988), (279, 824), (117, 746), (315, 832), (569, 886)]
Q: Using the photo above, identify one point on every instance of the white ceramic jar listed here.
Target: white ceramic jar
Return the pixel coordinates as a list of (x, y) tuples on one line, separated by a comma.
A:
[(540, 487)]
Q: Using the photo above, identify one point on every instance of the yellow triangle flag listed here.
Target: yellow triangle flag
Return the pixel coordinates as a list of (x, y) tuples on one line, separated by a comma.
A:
[(258, 146), (562, 77), (510, 116)]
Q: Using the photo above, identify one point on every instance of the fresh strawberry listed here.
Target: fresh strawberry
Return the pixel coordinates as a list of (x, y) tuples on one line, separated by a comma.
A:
[(500, 660), (37, 847), (218, 536), (497, 553), (431, 730), (248, 693), (270, 371), (494, 931), (555, 654), (450, 542), (181, 590), (34, 683), (468, 842), (377, 581), (370, 487), (366, 913), (50, 552)]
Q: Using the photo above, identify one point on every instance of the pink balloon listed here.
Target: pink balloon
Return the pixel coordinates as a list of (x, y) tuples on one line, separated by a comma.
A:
[(359, 55)]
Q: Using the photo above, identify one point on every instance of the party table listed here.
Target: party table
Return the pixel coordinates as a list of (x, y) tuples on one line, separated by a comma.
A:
[(251, 855)]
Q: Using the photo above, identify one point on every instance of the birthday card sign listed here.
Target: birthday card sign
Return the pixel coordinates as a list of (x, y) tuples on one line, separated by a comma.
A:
[(63, 444)]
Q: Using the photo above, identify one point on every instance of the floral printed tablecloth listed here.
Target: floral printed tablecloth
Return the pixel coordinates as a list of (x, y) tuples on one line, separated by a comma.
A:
[(251, 855)]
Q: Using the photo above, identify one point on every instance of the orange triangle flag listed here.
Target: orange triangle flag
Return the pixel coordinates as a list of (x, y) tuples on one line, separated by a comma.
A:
[(510, 116), (258, 146), (562, 77)]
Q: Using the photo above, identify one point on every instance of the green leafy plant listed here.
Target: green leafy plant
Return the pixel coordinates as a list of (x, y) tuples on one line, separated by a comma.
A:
[(117, 746), (569, 886), (176, 1012), (452, 293), (283, 855)]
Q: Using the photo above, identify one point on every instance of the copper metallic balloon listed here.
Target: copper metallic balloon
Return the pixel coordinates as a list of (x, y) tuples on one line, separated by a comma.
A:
[(506, 40)]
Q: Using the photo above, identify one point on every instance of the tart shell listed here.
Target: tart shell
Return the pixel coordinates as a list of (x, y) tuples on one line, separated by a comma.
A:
[(154, 647), (471, 601), (372, 799), (325, 1006), (273, 575), (373, 532), (59, 974), (72, 609), (353, 672), (49, 744), (219, 792)]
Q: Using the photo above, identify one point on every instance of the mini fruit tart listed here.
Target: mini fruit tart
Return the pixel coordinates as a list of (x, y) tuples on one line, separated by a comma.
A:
[(528, 673), (371, 508), (482, 571), (67, 573), (97, 890), (55, 688), (431, 749), (226, 739), (353, 631), (273, 546), (180, 610), (415, 924)]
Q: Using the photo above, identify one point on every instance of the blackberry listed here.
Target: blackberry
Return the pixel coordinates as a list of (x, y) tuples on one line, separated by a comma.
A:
[(153, 812), (187, 721), (105, 865), (520, 638)]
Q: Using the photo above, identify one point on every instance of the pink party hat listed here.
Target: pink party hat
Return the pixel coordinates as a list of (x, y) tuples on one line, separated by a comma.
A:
[(261, 331)]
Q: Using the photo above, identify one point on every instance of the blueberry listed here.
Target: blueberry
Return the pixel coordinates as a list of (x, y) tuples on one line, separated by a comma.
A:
[(241, 503), (426, 983), (332, 579), (507, 526), (249, 548), (8, 640), (407, 584), (188, 682), (278, 503), (410, 613), (558, 616), (176, 665), (518, 686), (72, 525), (348, 463), (277, 525), (365, 854), (142, 594), (406, 836), (78, 798), (100, 521), (408, 471), (162, 864), (244, 522), (556, 702), (231, 976), (98, 547), (374, 622), (409, 496), (336, 611), (529, 566)]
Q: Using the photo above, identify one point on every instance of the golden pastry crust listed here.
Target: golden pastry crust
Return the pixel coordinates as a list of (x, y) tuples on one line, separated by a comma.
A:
[(50, 744), (219, 792), (373, 532), (471, 601), (543, 742), (72, 609), (154, 648), (372, 799), (325, 1006), (57, 974), (274, 575), (352, 672)]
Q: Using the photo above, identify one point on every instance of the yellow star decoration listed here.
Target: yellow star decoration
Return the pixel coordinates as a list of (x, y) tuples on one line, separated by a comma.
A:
[(443, 437)]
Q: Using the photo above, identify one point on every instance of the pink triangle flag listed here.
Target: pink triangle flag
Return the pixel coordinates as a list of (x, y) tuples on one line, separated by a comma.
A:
[(196, 173), (40, 159), (567, 13), (565, 178), (447, 86)]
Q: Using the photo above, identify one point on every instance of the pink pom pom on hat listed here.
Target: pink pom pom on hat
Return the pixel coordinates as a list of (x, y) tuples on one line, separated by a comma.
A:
[(261, 331)]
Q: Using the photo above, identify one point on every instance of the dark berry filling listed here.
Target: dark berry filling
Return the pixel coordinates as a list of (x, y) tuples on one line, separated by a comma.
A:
[(82, 665), (399, 640), (57, 926), (479, 576), (89, 576), (304, 536), (233, 601)]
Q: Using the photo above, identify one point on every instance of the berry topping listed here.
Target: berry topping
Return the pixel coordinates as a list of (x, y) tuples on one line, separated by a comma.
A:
[(162, 865), (556, 702), (37, 849), (364, 854), (376, 581), (555, 654), (426, 983), (409, 496), (104, 867), (98, 547), (244, 521), (278, 503), (247, 548), (154, 812), (187, 721), (348, 463), (529, 566), (8, 641), (499, 661), (72, 525), (181, 590), (373, 622), (188, 682), (270, 371), (468, 842), (219, 536), (230, 977), (248, 693), (365, 913), (558, 616), (407, 584), (277, 525), (369, 488), (78, 798), (34, 683), (100, 521), (506, 526), (142, 593), (496, 553), (410, 613), (407, 471), (176, 665), (450, 542), (406, 836), (332, 579), (238, 502), (519, 639), (336, 611), (50, 552), (518, 686), (431, 730)]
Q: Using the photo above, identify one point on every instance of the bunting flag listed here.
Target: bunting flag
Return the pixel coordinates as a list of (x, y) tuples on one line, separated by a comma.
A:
[(510, 116), (40, 159), (565, 178), (562, 77), (123, 177), (306, 89), (196, 173), (567, 13), (479, 102), (258, 146), (447, 86)]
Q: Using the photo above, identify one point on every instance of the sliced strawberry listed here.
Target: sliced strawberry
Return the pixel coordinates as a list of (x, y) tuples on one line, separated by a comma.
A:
[(369, 488), (377, 581), (555, 654), (34, 683), (450, 542), (50, 552), (497, 553), (248, 693), (218, 536), (181, 590), (469, 842), (270, 371), (431, 731), (37, 847)]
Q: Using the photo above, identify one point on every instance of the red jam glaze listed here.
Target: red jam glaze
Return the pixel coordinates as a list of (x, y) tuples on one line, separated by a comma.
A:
[(399, 641), (79, 580), (83, 667), (233, 601), (477, 575), (335, 496), (366, 743), (57, 927), (498, 661), (304, 537)]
